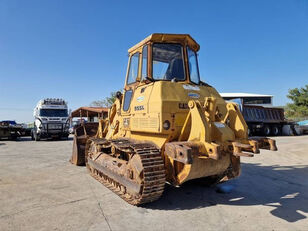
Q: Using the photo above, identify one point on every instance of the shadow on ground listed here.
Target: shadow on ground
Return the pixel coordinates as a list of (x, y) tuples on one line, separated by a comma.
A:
[(284, 188), (23, 139)]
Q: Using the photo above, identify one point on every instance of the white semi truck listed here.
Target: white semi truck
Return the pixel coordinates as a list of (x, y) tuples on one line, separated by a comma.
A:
[(51, 119)]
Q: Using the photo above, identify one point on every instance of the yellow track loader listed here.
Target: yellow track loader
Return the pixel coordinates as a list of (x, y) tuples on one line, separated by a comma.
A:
[(167, 126)]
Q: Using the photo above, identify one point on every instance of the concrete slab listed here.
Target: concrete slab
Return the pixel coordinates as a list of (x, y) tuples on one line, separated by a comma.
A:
[(41, 190)]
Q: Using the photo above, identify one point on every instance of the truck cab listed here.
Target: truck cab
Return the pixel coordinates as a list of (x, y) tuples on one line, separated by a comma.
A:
[(51, 119)]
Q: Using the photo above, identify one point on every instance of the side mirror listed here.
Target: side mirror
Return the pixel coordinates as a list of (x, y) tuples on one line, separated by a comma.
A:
[(119, 94)]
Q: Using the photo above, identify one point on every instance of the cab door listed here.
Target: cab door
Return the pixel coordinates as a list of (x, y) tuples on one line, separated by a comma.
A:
[(136, 72)]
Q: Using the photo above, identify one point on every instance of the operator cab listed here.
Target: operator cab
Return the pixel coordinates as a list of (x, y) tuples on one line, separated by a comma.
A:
[(163, 57)]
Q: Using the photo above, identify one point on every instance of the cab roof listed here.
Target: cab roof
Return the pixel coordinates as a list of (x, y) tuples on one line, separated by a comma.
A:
[(168, 38)]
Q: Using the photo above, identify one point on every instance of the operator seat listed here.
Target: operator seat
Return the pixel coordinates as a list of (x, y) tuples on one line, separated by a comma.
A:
[(175, 70)]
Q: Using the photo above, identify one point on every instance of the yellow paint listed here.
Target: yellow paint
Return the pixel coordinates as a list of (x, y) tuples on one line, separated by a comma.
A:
[(206, 121)]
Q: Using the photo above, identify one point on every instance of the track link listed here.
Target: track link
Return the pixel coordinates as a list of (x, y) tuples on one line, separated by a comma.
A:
[(154, 176)]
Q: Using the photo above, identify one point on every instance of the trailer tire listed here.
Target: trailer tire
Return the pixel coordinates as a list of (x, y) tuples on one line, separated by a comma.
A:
[(32, 136), (275, 131), (266, 130), (14, 137)]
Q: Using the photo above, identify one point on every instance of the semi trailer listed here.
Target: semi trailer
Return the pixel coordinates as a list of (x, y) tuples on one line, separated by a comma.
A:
[(261, 117), (9, 129), (264, 120)]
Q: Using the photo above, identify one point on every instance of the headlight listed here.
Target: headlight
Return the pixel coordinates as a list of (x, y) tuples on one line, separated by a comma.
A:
[(166, 125)]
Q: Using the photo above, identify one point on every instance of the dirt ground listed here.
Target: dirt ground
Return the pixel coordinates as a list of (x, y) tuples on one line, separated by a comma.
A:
[(41, 190)]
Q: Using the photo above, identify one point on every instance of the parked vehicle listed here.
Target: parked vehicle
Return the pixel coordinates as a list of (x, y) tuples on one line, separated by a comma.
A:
[(166, 126), (303, 126), (51, 119), (9, 129), (27, 129), (264, 120)]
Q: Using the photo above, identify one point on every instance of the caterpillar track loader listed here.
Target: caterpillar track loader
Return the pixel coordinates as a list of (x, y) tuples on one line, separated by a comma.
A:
[(167, 126)]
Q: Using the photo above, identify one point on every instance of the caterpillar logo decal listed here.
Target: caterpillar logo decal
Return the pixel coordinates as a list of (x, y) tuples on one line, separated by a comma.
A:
[(140, 98), (193, 95)]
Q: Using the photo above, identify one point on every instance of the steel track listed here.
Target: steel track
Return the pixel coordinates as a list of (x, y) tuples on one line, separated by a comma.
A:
[(154, 176)]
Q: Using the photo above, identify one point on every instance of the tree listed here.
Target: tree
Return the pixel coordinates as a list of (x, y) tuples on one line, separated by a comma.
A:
[(299, 107), (107, 102)]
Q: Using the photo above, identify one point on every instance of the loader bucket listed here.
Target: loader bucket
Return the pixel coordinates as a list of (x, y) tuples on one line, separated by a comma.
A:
[(82, 133)]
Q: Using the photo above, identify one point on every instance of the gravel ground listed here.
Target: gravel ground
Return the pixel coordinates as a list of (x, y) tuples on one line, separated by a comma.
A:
[(41, 190)]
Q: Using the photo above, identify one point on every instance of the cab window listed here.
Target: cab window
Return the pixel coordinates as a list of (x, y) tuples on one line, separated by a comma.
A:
[(127, 99), (168, 61), (144, 62), (133, 69), (193, 66)]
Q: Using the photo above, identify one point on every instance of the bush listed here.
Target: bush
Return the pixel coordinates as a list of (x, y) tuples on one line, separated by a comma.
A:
[(298, 110)]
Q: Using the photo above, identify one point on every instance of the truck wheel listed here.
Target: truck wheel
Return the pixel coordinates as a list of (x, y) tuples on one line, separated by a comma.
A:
[(14, 137), (275, 130), (36, 137), (266, 130)]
